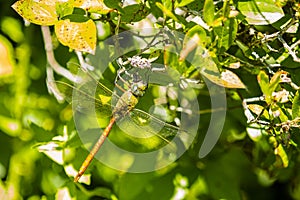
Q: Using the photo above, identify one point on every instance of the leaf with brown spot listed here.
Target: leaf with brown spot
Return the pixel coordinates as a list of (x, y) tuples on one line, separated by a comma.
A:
[(42, 12), (80, 36), (227, 79)]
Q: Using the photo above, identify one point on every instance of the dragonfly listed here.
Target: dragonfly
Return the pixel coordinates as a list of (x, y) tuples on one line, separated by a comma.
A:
[(124, 105)]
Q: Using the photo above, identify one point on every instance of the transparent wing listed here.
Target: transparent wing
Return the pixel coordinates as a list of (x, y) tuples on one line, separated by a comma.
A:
[(87, 96), (93, 95), (140, 124)]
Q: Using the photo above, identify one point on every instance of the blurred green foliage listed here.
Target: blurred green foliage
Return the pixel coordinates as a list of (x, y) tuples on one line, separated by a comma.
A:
[(257, 156)]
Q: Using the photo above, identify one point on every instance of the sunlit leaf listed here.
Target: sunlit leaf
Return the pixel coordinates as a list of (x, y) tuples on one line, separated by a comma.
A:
[(264, 177), (255, 133), (275, 80), (72, 172), (184, 3), (258, 109), (63, 193), (231, 80), (64, 8), (80, 36), (197, 188), (235, 65), (55, 155), (166, 11), (209, 11), (260, 12), (6, 57), (154, 55), (296, 106), (263, 81), (42, 12), (281, 96), (93, 6), (12, 28), (194, 37), (227, 79), (282, 154), (10, 126)]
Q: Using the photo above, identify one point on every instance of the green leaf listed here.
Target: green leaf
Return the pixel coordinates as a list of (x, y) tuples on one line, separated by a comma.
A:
[(64, 9), (208, 12), (260, 12), (245, 49), (135, 13), (230, 166), (154, 55), (10, 126), (263, 81), (116, 4), (296, 106), (184, 3), (199, 187), (166, 11), (12, 28), (171, 58), (226, 33), (127, 181), (193, 38), (275, 80)]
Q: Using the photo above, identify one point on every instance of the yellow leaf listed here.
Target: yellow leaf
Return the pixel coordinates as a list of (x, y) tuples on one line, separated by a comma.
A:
[(282, 154), (255, 108), (80, 36), (231, 80), (227, 79), (41, 12), (93, 6)]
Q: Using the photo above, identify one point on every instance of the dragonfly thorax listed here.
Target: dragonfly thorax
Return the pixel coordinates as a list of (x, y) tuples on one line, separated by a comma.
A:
[(125, 104)]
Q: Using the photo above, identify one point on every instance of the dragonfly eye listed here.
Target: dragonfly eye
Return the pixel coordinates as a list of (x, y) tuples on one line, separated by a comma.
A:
[(138, 89)]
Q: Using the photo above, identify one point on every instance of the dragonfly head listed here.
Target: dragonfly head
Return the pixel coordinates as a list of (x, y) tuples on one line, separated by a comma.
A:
[(139, 84), (138, 89)]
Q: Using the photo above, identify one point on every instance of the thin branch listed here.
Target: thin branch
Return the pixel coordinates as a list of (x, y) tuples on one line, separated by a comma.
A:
[(82, 63), (290, 50), (52, 87), (51, 58)]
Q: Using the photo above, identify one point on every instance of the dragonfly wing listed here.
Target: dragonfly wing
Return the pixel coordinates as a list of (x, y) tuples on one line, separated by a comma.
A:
[(142, 124), (86, 97)]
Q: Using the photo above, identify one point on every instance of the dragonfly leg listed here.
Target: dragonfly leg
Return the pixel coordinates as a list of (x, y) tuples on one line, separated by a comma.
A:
[(119, 77)]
